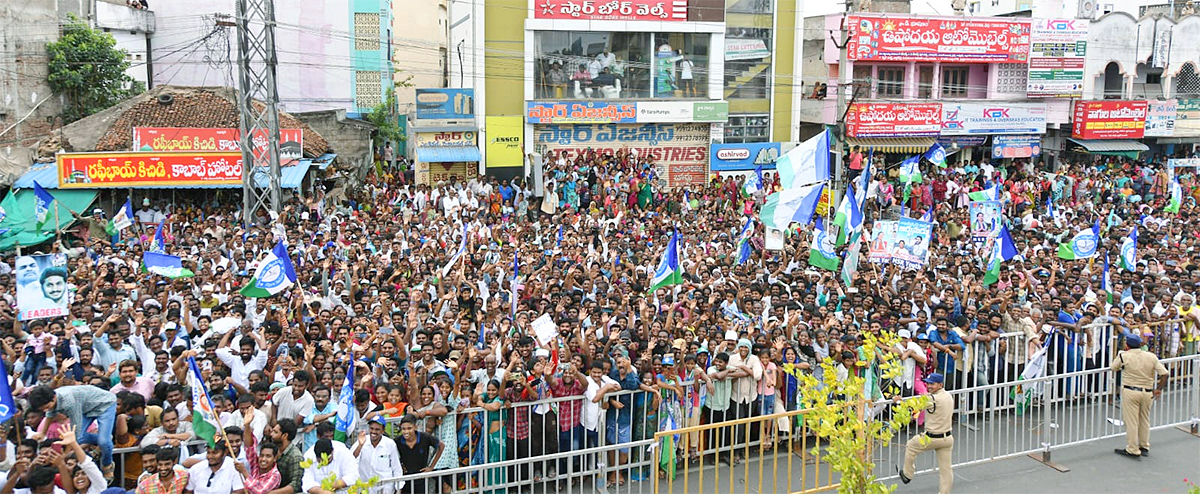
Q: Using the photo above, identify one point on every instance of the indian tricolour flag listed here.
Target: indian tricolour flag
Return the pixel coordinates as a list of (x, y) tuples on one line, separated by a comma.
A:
[(275, 274), (204, 417)]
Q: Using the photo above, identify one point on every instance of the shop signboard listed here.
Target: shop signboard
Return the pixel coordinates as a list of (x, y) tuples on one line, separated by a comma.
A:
[(566, 112), (678, 150), (745, 49), (1160, 118), (172, 139), (611, 10), (894, 119), (432, 173), (1016, 146), (746, 156), (445, 104), (968, 118), (149, 169), (682, 111), (1109, 119), (879, 38), (1187, 118), (1057, 52)]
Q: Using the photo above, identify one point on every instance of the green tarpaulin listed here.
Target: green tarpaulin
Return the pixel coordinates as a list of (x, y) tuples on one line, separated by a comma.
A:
[(22, 223)]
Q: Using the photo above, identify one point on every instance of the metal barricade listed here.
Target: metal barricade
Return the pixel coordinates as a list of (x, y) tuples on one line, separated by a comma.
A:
[(537, 447), (733, 460), (1045, 414)]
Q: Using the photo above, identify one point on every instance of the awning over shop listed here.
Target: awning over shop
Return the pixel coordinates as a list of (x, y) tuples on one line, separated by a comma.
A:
[(1179, 140), (1112, 147), (20, 224), (893, 144), (448, 154), (290, 177)]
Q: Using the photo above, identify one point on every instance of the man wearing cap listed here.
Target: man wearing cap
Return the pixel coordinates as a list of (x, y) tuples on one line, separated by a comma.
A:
[(147, 215), (1138, 371), (937, 436), (378, 456)]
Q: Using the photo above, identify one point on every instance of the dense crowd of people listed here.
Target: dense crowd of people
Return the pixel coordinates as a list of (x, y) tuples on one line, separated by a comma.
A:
[(543, 334)]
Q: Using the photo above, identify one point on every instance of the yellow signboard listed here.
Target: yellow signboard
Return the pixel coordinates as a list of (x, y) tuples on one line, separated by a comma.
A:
[(505, 141)]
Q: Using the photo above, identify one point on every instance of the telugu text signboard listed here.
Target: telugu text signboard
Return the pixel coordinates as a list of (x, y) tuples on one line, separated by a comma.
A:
[(1160, 118), (908, 39), (1187, 118), (173, 139), (1057, 52), (679, 150), (561, 112), (149, 169), (611, 10), (967, 118), (894, 119), (1109, 119)]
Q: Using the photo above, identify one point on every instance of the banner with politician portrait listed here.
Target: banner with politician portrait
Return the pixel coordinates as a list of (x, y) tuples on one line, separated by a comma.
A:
[(883, 236), (41, 286), (911, 248), (985, 220)]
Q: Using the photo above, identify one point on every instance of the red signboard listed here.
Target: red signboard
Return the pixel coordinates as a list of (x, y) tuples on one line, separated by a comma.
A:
[(908, 39), (1109, 119), (894, 119), (612, 10), (291, 141), (148, 168)]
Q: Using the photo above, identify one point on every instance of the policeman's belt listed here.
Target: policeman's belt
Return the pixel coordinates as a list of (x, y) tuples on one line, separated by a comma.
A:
[(1135, 388), (936, 435)]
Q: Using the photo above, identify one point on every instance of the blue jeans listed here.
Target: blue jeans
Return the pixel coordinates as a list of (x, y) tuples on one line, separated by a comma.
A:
[(104, 434), (569, 440)]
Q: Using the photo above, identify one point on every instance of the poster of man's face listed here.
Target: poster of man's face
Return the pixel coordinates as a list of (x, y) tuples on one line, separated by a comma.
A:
[(42, 289)]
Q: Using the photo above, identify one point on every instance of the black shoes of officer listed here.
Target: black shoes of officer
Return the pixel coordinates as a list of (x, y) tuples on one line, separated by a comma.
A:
[(1122, 452), (1146, 452), (902, 477)]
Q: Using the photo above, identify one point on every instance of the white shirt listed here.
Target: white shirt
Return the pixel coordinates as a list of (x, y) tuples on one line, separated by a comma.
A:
[(590, 418), (257, 424), (238, 370), (288, 407), (342, 465), (223, 481), (382, 460)]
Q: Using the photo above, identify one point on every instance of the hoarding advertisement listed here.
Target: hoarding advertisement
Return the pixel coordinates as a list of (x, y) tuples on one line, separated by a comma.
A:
[(679, 151), (611, 10), (542, 112), (905, 39), (965, 118), (445, 104), (1057, 52), (171, 139), (1160, 118)]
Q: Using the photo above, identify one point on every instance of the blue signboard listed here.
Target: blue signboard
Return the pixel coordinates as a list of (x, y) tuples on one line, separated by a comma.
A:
[(741, 157), (445, 104), (1016, 146)]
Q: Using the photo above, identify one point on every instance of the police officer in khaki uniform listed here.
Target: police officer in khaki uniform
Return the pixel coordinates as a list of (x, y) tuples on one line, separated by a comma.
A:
[(937, 435), (1138, 389)]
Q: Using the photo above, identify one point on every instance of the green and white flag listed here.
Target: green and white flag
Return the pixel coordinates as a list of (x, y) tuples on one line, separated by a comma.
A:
[(1003, 249), (1129, 251), (1176, 197), (275, 274), (822, 254)]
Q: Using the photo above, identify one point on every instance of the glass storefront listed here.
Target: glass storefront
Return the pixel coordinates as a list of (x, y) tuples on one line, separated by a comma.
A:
[(621, 65)]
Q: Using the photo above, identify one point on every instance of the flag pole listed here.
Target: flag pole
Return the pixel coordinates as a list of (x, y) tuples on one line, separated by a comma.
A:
[(57, 230)]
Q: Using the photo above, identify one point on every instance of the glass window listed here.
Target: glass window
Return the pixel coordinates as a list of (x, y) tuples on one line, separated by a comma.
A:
[(954, 82), (925, 82), (747, 74), (626, 65), (747, 128), (891, 82)]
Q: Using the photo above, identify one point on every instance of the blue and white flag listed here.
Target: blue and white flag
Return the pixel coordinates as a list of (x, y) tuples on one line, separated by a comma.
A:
[(275, 273), (927, 216), (794, 205), (1083, 245), (1129, 250), (8, 407), (754, 182), (743, 244), (346, 420), (805, 164), (165, 265), (42, 201), (462, 249), (669, 271), (514, 290), (124, 217), (1104, 275), (159, 243), (557, 239), (936, 155)]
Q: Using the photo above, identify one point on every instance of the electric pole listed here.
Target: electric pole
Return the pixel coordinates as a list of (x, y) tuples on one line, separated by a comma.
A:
[(844, 81), (256, 67)]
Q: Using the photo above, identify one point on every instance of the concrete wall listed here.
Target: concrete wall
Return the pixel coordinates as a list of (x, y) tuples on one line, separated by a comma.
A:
[(313, 45), (350, 139), (26, 103), (421, 48), (1128, 42)]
